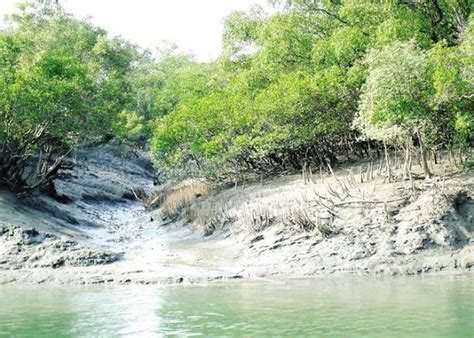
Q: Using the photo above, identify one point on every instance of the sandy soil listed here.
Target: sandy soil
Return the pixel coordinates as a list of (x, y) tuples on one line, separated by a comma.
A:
[(94, 231)]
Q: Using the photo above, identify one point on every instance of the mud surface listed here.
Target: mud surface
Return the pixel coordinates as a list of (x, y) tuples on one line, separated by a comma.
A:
[(93, 230)]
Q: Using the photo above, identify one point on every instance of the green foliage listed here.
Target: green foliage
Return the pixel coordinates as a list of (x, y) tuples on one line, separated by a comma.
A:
[(240, 31), (294, 88), (453, 74), (396, 93), (469, 164), (285, 42), (61, 82), (62, 71), (128, 124), (290, 88)]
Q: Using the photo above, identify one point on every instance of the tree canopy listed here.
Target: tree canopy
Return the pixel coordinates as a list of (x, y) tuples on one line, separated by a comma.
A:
[(313, 83), (62, 82), (306, 84)]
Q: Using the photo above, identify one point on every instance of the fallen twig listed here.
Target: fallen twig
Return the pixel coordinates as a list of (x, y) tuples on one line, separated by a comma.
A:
[(373, 202)]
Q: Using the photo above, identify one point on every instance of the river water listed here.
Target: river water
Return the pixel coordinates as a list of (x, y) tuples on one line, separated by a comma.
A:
[(433, 306)]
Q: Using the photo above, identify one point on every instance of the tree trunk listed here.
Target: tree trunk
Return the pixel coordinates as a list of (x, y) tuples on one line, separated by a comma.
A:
[(424, 161), (387, 161), (406, 168)]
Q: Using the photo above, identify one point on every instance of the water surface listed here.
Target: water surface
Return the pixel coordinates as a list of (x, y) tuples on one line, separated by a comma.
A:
[(440, 306)]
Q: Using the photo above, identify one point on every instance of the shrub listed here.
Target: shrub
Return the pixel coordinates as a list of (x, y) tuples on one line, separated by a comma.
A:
[(182, 196)]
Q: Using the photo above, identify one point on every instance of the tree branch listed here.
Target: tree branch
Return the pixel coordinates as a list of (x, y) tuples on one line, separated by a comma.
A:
[(316, 8), (439, 13)]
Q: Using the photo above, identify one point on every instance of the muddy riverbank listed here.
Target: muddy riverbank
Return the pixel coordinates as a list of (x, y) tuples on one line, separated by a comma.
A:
[(93, 230)]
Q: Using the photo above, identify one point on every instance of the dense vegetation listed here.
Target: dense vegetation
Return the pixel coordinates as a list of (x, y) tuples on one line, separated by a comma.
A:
[(321, 80), (62, 82), (316, 82)]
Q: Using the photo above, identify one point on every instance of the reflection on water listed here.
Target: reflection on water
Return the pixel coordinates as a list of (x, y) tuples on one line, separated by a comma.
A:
[(416, 306)]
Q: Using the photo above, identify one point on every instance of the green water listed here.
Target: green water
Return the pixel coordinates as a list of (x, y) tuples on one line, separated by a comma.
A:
[(332, 307)]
